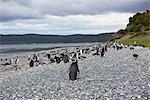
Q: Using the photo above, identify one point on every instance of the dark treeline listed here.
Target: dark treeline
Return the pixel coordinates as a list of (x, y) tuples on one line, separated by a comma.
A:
[(35, 38)]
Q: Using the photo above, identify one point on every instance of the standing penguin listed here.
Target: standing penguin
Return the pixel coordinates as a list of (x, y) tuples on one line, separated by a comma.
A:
[(31, 63), (29, 57), (58, 60), (48, 56), (102, 52), (66, 58), (35, 57), (74, 55), (11, 61), (97, 51), (105, 47), (73, 70), (17, 60)]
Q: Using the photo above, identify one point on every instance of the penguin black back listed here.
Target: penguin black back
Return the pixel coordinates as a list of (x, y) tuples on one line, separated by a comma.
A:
[(73, 71), (66, 58), (105, 47), (102, 52), (31, 63), (48, 56), (135, 55), (57, 59)]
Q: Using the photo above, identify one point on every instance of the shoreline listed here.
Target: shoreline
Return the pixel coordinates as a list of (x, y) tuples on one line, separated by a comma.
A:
[(39, 47), (27, 50)]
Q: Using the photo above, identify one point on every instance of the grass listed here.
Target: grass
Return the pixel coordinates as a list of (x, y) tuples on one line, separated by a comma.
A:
[(136, 41)]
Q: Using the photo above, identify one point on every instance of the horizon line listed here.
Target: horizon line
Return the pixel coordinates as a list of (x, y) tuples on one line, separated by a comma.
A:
[(58, 34)]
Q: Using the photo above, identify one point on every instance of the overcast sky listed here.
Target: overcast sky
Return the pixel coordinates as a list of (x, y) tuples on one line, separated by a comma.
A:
[(67, 16)]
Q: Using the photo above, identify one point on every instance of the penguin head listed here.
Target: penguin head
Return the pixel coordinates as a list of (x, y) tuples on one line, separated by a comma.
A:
[(74, 60)]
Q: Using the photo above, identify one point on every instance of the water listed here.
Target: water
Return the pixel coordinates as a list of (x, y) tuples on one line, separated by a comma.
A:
[(12, 50)]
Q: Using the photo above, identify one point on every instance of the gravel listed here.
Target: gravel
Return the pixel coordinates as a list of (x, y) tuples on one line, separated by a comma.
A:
[(116, 76)]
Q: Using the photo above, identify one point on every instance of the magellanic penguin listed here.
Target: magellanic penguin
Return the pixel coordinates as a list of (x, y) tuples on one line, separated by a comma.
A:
[(17, 60), (105, 47), (97, 51), (102, 52), (65, 58), (58, 60), (31, 63), (11, 61), (135, 55), (73, 70), (48, 56), (8, 63)]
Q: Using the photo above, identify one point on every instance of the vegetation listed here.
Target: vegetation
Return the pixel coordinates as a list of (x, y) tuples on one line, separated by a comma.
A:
[(137, 31), (139, 22), (135, 42), (35, 38)]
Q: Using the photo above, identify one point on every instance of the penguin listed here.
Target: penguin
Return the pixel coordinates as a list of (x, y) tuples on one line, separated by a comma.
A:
[(17, 60), (61, 56), (29, 58), (52, 60), (86, 50), (82, 57), (81, 51), (73, 70), (35, 57), (48, 56), (102, 52), (11, 61), (97, 51), (31, 63), (65, 58), (57, 59), (114, 45), (105, 47), (117, 47), (74, 55), (8, 63), (77, 56), (131, 48), (120, 47), (135, 55)]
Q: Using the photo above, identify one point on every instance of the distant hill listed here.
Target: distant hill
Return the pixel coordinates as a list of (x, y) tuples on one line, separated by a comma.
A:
[(35, 38), (137, 31)]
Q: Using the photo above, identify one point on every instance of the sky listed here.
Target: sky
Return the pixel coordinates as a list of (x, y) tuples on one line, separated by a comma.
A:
[(66, 17)]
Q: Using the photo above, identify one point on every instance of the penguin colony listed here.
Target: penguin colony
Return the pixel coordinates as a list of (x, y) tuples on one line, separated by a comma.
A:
[(66, 56)]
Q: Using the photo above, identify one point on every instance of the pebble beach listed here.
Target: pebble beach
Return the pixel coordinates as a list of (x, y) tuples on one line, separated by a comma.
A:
[(116, 76)]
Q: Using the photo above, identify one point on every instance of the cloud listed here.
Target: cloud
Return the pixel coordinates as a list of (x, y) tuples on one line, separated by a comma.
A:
[(35, 9), (79, 24), (89, 7), (19, 2), (67, 16), (10, 10)]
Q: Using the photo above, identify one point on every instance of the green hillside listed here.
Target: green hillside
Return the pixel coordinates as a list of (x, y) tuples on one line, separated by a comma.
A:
[(137, 31)]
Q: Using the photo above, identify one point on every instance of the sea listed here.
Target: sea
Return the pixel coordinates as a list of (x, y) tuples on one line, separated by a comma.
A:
[(13, 50)]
